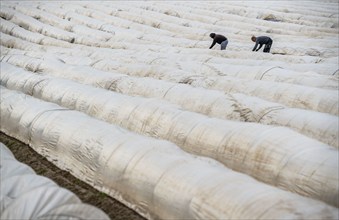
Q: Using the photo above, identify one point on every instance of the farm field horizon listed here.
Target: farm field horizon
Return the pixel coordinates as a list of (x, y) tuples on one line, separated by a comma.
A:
[(128, 98)]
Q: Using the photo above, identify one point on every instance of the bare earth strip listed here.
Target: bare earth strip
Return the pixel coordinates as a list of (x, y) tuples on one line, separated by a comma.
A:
[(24, 154)]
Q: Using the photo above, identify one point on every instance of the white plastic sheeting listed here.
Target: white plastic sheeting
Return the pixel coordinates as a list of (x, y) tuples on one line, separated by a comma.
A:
[(105, 15), (201, 135), (167, 69), (292, 95), (25, 195), (10, 28), (79, 41), (34, 25), (229, 18), (124, 37), (295, 96), (190, 28), (288, 94), (239, 107), (152, 176)]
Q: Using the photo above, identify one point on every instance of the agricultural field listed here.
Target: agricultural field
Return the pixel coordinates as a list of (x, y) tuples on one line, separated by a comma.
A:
[(127, 97)]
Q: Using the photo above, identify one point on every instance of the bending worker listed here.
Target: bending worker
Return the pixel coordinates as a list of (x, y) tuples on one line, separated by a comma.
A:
[(220, 39), (260, 41)]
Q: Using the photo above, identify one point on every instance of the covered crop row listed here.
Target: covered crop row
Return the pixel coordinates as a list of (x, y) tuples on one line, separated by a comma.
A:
[(219, 139), (87, 17), (323, 100), (190, 68), (24, 194), (193, 29), (234, 11), (287, 94), (139, 43), (212, 103), (127, 97), (152, 176)]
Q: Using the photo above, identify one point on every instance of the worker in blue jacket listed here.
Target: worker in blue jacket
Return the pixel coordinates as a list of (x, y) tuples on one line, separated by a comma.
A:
[(261, 41)]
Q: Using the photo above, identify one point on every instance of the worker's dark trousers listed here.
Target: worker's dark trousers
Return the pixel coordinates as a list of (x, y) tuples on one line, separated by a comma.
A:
[(267, 47)]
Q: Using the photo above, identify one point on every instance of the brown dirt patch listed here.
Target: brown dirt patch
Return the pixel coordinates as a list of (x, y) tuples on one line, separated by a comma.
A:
[(113, 208)]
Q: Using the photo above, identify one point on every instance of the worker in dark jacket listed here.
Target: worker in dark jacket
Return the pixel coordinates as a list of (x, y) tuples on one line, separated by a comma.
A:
[(260, 41), (220, 39)]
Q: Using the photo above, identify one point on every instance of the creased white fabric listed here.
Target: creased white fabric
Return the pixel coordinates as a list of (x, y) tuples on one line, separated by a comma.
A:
[(25, 195)]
